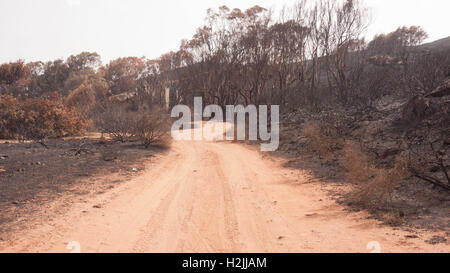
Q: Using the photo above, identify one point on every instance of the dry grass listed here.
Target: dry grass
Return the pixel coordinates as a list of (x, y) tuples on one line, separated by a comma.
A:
[(374, 184), (381, 187), (322, 139), (356, 163)]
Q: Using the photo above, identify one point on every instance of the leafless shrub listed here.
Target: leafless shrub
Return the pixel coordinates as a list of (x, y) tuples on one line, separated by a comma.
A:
[(116, 122), (149, 127), (381, 187), (325, 136), (356, 163), (374, 184), (152, 127)]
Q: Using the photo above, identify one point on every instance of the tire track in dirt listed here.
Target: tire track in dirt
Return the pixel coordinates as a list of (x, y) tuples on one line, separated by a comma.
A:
[(229, 211), (216, 197), (155, 224)]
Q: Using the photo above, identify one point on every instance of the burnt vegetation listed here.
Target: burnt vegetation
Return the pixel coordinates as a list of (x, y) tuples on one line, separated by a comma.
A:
[(378, 108)]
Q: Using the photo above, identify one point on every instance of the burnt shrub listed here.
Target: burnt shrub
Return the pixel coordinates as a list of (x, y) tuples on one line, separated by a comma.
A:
[(149, 126), (38, 118), (152, 127), (326, 135), (116, 122)]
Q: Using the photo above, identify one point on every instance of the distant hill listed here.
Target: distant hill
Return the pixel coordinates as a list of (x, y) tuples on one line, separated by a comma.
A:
[(441, 44)]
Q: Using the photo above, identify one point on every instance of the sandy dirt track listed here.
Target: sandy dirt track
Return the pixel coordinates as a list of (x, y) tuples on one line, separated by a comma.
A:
[(215, 197)]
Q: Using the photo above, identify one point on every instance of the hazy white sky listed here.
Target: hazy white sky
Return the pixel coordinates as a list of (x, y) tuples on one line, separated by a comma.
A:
[(50, 29)]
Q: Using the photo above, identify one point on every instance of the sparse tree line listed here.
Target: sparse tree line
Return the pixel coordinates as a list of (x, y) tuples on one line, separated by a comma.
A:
[(312, 55)]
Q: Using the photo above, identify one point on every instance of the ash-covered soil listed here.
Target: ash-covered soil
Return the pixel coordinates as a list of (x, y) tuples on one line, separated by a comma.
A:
[(32, 176), (414, 203)]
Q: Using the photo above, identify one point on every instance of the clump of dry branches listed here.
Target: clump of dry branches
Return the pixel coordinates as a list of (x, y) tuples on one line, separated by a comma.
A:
[(374, 184), (321, 141), (149, 127)]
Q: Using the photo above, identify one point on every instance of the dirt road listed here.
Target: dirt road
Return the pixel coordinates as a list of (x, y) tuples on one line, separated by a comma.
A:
[(216, 197)]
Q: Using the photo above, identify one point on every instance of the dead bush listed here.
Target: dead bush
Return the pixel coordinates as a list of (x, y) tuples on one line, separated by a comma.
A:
[(322, 138), (356, 163), (38, 118), (151, 127), (116, 122), (373, 184), (383, 184)]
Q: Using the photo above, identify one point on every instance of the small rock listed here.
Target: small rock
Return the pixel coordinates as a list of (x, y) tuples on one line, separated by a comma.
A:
[(134, 170), (280, 237), (97, 206), (411, 236)]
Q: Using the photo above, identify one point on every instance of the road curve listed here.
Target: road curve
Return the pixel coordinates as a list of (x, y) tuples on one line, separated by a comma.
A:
[(216, 197)]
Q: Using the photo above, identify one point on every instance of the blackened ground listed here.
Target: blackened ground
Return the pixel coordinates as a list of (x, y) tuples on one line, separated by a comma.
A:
[(414, 204), (31, 175)]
